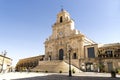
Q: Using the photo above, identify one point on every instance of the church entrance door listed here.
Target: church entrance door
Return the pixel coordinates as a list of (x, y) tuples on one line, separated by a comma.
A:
[(61, 54)]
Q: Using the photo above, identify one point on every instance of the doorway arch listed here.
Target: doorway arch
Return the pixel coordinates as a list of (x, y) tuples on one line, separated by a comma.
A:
[(61, 54)]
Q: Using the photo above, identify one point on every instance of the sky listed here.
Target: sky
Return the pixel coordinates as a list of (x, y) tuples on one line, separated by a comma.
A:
[(25, 24)]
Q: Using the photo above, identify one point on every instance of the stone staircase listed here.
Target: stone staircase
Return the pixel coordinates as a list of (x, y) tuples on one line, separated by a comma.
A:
[(74, 62), (54, 66)]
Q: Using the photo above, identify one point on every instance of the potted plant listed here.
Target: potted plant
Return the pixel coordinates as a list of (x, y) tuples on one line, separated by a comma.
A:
[(113, 74), (46, 71), (73, 71), (60, 71)]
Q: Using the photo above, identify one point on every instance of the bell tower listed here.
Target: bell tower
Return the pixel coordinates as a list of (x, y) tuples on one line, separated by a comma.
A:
[(63, 16), (63, 30), (63, 26)]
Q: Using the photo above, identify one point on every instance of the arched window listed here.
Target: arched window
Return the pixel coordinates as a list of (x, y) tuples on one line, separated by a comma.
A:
[(74, 56), (109, 53), (61, 19), (50, 57), (117, 53)]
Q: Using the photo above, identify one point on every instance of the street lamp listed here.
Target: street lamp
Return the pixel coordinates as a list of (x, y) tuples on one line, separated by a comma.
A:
[(70, 49), (4, 53)]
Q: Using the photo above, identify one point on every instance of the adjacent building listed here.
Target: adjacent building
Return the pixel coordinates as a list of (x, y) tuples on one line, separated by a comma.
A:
[(5, 63), (109, 56), (28, 63)]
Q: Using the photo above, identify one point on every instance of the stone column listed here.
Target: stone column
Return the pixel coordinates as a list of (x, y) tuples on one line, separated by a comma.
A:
[(80, 49)]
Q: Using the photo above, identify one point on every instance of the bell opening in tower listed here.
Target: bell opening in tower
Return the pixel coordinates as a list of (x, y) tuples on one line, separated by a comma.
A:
[(61, 19)]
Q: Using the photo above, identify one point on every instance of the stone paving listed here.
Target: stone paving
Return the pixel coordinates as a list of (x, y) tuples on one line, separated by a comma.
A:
[(57, 76)]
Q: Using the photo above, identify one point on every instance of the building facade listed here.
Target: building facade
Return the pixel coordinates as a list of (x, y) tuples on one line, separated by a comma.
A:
[(64, 37), (5, 63), (109, 56), (28, 63)]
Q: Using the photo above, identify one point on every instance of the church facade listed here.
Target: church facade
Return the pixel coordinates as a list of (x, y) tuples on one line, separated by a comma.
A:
[(65, 36)]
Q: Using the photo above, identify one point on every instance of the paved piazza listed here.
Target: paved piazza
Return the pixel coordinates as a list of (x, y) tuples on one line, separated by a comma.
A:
[(56, 76)]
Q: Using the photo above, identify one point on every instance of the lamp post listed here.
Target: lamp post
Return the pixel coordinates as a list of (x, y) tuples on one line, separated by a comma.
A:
[(70, 49), (4, 53)]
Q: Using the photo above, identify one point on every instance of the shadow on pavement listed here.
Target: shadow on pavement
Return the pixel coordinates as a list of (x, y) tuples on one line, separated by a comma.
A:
[(65, 77)]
